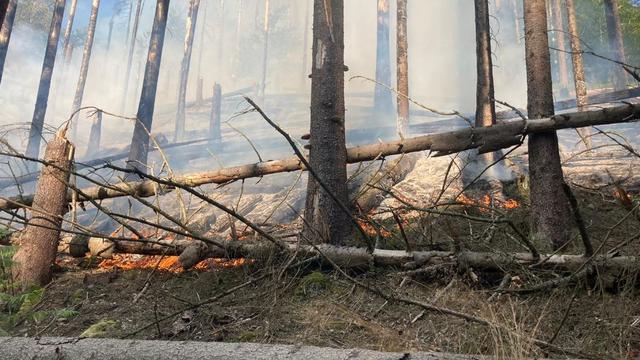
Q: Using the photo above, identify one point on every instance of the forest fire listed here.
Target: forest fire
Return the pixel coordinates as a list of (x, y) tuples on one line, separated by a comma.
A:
[(166, 263), (486, 203)]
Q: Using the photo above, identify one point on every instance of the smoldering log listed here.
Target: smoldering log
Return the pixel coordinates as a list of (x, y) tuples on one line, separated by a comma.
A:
[(353, 257), (484, 139)]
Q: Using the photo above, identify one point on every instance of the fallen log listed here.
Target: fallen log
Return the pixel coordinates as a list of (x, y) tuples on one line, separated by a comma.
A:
[(352, 257), (18, 348), (485, 139)]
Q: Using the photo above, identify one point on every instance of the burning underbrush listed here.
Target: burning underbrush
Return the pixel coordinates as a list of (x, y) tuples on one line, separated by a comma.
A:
[(166, 263)]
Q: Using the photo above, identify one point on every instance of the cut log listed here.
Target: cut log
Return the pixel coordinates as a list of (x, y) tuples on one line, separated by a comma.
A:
[(113, 349), (39, 241), (485, 139), (351, 257)]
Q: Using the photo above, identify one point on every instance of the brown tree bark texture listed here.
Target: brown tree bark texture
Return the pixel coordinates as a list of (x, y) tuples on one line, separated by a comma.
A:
[(486, 139), (549, 204), (485, 105), (39, 242), (37, 122), (402, 54), (66, 42), (140, 140), (328, 155), (192, 20)]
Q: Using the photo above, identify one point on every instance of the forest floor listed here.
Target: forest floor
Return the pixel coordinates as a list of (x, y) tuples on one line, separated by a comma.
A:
[(320, 307)]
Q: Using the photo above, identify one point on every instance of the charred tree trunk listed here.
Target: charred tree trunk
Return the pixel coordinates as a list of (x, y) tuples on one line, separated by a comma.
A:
[(5, 32), (67, 47), (39, 242), (561, 53), (215, 133), (265, 50), (549, 204), (140, 140), (95, 135), (84, 67), (132, 48), (403, 69), (383, 102), (325, 220), (192, 20), (37, 123), (485, 104), (579, 78), (616, 43)]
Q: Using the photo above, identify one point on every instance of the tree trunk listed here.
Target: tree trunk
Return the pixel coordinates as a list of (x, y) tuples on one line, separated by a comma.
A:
[(549, 204), (67, 47), (221, 28), (84, 67), (110, 34), (485, 139), (203, 32), (579, 78), (305, 41), (485, 104), (132, 48), (214, 125), (192, 20), (265, 50), (616, 43), (325, 220), (5, 31), (383, 102), (39, 242), (561, 53), (95, 135), (403, 69), (37, 123), (236, 55), (142, 131)]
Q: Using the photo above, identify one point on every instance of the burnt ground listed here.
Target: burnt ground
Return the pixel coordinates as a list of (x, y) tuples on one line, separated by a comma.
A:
[(315, 306)]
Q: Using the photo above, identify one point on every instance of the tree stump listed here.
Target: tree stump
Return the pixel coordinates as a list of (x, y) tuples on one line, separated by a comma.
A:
[(39, 241)]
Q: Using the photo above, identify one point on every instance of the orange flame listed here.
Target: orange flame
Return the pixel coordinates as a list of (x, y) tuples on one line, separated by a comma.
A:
[(486, 202), (167, 263)]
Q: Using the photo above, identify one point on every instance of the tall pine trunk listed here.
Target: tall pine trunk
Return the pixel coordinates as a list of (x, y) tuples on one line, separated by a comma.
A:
[(616, 43), (402, 55), (132, 48), (37, 122), (192, 20), (305, 44), (265, 49), (561, 53), (383, 101), (5, 32), (579, 78), (142, 131), (84, 67), (485, 104), (66, 42), (549, 206), (325, 221)]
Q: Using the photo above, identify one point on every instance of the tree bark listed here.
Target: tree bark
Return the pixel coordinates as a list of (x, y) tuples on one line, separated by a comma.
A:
[(561, 53), (140, 140), (485, 139), (549, 204), (39, 242), (37, 122), (403, 69), (132, 48), (67, 47), (579, 77), (5, 32), (305, 42), (383, 103), (192, 20), (95, 135), (84, 67), (485, 104), (616, 43), (215, 133), (265, 49), (325, 220)]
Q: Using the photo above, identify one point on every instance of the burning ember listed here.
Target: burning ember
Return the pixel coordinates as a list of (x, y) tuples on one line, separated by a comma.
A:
[(486, 202), (166, 263), (371, 230)]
